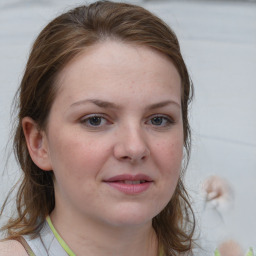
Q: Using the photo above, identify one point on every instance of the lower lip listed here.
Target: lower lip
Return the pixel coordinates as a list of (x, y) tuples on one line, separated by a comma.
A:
[(131, 189)]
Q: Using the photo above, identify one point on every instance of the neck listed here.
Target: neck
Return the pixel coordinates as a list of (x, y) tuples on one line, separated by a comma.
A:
[(91, 238)]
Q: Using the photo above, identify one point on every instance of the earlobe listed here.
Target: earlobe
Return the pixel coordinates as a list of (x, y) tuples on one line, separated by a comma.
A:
[(37, 144)]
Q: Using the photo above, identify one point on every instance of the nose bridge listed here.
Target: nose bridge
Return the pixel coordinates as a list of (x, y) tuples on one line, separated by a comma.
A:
[(135, 137), (132, 142)]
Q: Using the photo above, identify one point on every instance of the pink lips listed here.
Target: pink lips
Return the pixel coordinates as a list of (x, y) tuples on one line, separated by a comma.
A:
[(130, 184)]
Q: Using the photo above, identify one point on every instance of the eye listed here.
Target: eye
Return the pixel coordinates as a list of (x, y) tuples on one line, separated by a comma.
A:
[(159, 120), (94, 121)]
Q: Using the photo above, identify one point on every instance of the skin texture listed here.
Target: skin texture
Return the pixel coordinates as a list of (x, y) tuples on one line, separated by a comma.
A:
[(126, 87), (12, 247)]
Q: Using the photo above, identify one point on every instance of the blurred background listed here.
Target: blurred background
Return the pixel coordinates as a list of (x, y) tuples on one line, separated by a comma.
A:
[(218, 42)]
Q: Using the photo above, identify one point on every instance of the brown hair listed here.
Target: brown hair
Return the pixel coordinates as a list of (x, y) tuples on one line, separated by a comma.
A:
[(60, 41)]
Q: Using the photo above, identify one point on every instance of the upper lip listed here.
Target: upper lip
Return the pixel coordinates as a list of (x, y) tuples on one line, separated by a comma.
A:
[(130, 177)]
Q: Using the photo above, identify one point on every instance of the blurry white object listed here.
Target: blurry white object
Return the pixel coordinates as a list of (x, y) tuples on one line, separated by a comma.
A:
[(218, 192)]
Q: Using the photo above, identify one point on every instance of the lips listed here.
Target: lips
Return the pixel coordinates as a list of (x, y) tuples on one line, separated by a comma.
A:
[(133, 182), (130, 184), (130, 178)]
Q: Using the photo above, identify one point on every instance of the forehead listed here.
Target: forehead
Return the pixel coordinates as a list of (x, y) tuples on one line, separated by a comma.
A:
[(114, 65), (111, 51)]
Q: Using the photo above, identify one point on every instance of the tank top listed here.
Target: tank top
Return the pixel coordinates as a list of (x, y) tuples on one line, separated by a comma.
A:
[(49, 242)]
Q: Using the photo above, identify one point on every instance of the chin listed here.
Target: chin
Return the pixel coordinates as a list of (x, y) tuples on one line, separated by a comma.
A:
[(132, 222), (132, 217)]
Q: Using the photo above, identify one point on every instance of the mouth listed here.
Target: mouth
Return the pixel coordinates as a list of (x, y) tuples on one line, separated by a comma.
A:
[(130, 184), (130, 179)]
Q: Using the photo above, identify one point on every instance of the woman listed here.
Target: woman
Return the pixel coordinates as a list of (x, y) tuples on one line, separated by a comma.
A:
[(102, 129)]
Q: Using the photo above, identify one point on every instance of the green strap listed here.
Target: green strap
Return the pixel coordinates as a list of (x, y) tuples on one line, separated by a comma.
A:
[(250, 252), (217, 253), (60, 240), (161, 253)]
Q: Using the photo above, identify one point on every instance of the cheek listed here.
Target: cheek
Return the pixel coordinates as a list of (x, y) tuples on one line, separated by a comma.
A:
[(168, 158), (169, 155), (77, 156)]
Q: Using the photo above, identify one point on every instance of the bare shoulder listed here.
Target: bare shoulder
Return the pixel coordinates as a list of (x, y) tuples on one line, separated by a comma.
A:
[(12, 247)]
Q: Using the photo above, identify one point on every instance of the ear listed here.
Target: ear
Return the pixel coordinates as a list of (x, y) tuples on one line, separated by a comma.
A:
[(37, 144)]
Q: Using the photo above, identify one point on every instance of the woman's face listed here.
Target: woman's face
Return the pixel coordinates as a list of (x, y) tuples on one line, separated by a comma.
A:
[(115, 134)]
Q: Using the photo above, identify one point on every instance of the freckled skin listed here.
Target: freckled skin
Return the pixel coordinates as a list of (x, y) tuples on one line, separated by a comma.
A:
[(81, 157)]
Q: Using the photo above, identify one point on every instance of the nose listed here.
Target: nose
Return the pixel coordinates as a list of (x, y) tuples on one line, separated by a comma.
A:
[(131, 145)]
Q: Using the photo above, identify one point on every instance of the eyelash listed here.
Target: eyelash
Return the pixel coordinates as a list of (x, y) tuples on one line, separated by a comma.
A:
[(87, 121)]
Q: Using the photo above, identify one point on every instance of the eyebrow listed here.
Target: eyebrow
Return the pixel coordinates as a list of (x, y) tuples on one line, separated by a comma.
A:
[(107, 104), (163, 104), (99, 103)]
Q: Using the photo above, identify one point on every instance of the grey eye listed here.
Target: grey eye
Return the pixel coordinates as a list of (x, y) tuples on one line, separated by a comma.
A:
[(95, 120), (158, 120)]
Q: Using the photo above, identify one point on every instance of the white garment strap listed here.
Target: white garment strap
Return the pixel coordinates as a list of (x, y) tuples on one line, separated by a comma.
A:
[(46, 243)]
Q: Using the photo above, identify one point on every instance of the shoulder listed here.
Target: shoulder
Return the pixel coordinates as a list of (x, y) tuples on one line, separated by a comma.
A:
[(12, 247)]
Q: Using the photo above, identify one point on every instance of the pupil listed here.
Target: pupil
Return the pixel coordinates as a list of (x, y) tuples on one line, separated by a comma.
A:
[(95, 120), (157, 120)]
